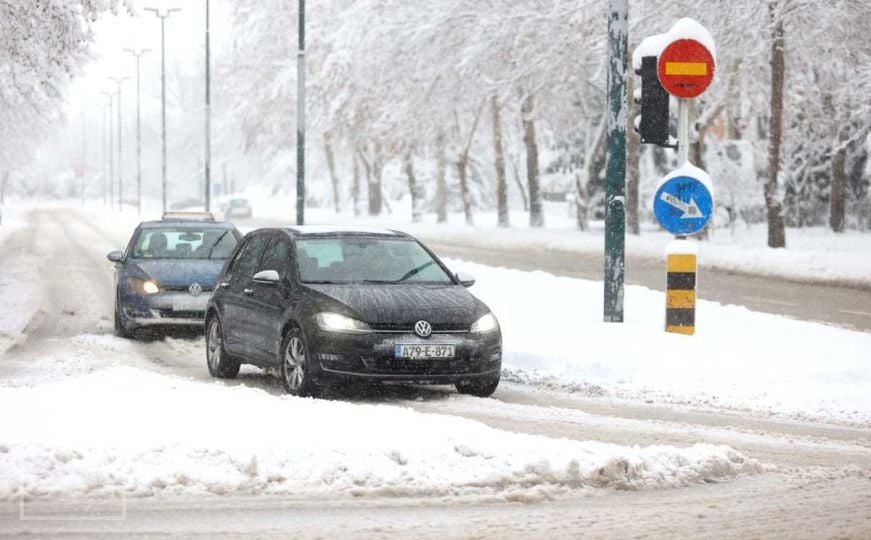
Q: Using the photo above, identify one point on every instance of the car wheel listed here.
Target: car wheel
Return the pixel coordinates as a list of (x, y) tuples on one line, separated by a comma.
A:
[(295, 374), (221, 364), (121, 329), (480, 388)]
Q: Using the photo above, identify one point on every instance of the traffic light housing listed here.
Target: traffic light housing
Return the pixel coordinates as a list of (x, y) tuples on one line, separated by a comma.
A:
[(654, 121)]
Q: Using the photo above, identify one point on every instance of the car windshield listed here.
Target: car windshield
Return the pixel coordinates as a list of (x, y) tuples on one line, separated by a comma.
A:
[(184, 243), (366, 260), (238, 202)]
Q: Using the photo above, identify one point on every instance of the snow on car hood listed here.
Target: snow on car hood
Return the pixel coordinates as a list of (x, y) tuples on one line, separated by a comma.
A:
[(177, 273), (406, 303)]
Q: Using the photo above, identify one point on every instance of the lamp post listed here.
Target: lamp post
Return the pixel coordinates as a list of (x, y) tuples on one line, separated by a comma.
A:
[(208, 167), (162, 16), (118, 82), (300, 119), (111, 180), (138, 55), (105, 157)]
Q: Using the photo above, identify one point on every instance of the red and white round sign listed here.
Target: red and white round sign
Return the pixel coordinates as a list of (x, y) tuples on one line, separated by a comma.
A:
[(686, 68)]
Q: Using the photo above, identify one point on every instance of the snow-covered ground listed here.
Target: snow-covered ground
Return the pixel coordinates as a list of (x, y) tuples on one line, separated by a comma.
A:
[(140, 433), (20, 292), (553, 332)]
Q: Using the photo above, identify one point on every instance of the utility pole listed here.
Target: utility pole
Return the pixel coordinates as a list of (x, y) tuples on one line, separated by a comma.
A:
[(138, 54), (300, 119), (111, 153), (615, 169), (162, 16), (118, 82), (208, 166)]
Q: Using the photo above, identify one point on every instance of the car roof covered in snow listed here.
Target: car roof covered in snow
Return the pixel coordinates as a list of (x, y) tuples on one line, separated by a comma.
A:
[(194, 224), (330, 230)]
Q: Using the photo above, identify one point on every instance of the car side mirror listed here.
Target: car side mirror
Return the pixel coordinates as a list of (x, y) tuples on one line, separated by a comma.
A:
[(267, 277), (465, 279), (116, 256)]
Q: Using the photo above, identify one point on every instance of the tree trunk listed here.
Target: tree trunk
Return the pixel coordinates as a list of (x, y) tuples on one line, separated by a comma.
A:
[(373, 180), (536, 212), (839, 184), (376, 196), (696, 156), (633, 156), (3, 183), (355, 187), (520, 187), (773, 205), (462, 168), (441, 180), (331, 166), (582, 209), (412, 187), (499, 163)]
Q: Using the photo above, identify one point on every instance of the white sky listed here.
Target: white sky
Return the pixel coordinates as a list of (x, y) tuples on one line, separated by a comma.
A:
[(185, 44)]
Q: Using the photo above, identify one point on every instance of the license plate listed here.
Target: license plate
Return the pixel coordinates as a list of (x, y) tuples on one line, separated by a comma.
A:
[(424, 351), (189, 304)]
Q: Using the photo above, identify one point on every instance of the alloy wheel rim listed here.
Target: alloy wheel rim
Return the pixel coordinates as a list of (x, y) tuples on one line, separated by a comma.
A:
[(214, 345), (294, 363)]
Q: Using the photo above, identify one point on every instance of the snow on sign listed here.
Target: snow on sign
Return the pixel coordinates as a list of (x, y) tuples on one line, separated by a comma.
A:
[(683, 202), (686, 68)]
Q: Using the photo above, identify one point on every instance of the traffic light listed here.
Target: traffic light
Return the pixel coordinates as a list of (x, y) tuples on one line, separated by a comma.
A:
[(653, 122)]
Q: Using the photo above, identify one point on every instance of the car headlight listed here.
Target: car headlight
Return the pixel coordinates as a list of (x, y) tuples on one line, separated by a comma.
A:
[(143, 286), (485, 324), (333, 322)]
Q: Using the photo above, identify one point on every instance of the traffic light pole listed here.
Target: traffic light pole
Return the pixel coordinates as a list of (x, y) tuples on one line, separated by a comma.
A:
[(300, 119), (615, 169), (208, 167)]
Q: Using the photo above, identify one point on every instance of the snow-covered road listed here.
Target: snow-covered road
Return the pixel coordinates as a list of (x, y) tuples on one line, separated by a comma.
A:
[(88, 413)]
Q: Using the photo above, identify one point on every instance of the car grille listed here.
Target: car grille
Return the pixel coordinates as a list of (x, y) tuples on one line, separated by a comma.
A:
[(391, 328), (404, 366), (183, 288), (170, 314)]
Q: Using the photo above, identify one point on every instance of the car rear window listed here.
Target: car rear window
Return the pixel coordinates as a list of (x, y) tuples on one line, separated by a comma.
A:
[(184, 243), (366, 260)]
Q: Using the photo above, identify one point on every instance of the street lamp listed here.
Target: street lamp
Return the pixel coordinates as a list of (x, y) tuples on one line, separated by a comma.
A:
[(138, 54), (162, 16), (111, 152), (118, 82)]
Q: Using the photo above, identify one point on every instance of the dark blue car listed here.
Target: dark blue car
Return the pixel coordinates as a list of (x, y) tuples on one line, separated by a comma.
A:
[(168, 271)]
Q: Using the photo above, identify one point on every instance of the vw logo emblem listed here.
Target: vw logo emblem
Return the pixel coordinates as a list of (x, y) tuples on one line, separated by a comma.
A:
[(195, 289), (422, 328)]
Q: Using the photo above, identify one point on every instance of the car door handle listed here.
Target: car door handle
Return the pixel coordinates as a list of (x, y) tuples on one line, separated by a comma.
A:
[(247, 291), (224, 284)]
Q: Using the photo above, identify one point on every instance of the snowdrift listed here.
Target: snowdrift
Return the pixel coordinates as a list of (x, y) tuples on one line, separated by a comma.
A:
[(123, 430)]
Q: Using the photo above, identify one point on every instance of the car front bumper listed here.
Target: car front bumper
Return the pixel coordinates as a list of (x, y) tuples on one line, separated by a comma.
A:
[(165, 309), (372, 357)]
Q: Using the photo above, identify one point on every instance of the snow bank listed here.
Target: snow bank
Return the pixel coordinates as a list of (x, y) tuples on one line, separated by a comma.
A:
[(20, 290), (552, 328), (140, 433)]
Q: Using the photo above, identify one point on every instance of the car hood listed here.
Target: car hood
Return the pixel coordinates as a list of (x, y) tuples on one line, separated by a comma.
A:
[(181, 273), (406, 303)]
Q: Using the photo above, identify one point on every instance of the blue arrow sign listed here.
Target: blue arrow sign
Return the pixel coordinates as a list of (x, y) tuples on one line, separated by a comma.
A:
[(683, 205)]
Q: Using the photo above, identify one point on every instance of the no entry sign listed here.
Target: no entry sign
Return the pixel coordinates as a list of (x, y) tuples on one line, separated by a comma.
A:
[(686, 68)]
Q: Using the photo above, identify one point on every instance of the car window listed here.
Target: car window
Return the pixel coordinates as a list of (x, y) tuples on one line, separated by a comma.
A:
[(184, 243), (354, 259), (277, 257), (245, 266)]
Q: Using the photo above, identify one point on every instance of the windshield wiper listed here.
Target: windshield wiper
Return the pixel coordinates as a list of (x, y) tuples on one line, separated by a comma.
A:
[(415, 271), (215, 244)]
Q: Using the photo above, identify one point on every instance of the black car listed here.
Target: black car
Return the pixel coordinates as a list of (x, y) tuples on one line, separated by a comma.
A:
[(330, 305), (166, 274)]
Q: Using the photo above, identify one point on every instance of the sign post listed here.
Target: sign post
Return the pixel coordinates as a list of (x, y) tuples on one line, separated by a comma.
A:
[(683, 202)]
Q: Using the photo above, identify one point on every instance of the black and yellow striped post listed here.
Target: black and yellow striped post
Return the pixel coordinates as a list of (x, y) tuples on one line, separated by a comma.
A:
[(680, 299)]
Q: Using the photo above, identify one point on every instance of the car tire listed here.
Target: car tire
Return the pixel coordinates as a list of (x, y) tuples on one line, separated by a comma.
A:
[(121, 328), (295, 373), (479, 388), (221, 365)]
